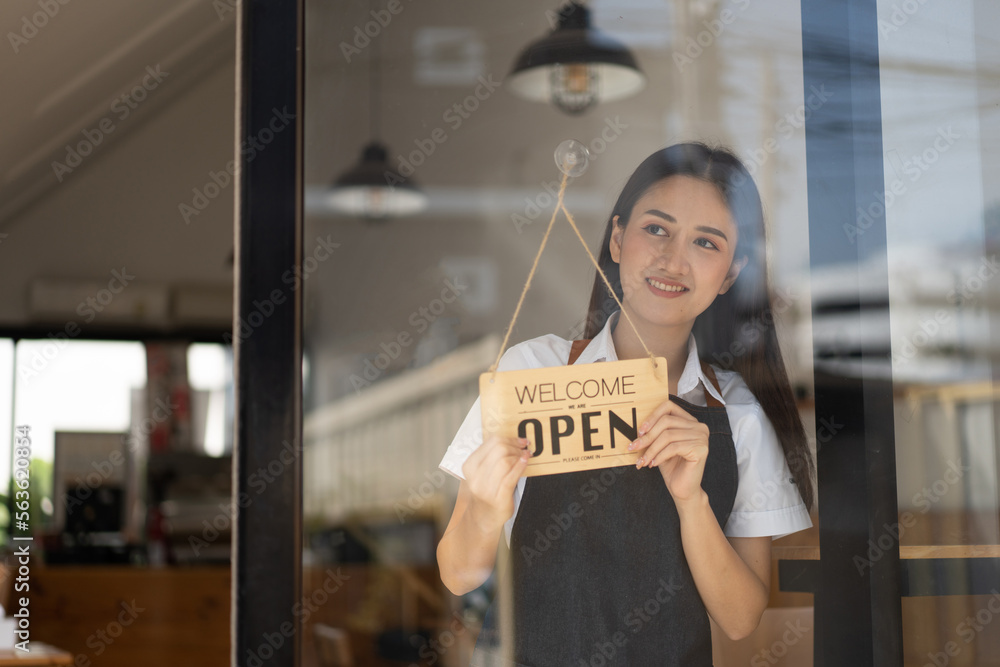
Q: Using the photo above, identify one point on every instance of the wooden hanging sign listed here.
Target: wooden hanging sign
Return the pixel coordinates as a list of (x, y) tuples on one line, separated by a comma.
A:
[(578, 417)]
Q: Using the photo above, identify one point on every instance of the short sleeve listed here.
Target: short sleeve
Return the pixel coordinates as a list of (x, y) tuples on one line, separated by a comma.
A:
[(466, 440), (548, 350), (767, 502), (470, 433)]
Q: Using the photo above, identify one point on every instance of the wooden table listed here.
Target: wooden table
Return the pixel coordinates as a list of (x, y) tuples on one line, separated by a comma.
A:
[(38, 654)]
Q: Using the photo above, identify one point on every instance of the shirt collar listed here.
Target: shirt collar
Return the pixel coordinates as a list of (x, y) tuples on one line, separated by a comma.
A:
[(602, 348)]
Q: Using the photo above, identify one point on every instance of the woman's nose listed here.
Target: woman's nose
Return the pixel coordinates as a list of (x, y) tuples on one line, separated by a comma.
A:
[(674, 259)]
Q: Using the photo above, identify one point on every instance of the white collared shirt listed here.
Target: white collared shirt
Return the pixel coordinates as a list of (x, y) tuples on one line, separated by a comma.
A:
[(767, 500)]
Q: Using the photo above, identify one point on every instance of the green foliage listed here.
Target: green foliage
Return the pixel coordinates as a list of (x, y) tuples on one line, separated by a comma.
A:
[(40, 499)]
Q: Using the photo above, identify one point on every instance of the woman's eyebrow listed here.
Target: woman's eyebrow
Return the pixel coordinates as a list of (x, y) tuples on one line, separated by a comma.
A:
[(701, 228)]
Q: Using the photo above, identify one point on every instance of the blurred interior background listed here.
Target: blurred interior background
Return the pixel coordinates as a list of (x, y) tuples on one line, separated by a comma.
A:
[(116, 280)]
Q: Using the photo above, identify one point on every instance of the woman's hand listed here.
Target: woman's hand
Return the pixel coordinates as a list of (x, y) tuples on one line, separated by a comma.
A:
[(677, 444), (491, 472), (467, 550)]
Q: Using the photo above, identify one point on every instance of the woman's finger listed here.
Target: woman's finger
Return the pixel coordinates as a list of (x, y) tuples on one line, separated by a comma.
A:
[(667, 407), (656, 444), (661, 425), (694, 451), (515, 472), (487, 469)]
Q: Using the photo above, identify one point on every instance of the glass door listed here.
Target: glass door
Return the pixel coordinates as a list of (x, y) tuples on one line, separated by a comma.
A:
[(408, 291), (941, 124)]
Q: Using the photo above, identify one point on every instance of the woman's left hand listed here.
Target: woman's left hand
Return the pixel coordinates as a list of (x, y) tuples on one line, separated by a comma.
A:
[(677, 444)]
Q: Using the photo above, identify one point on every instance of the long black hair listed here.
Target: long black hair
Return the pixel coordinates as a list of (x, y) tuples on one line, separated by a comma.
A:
[(737, 331)]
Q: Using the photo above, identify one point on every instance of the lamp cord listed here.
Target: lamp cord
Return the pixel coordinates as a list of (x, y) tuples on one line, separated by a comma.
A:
[(374, 81)]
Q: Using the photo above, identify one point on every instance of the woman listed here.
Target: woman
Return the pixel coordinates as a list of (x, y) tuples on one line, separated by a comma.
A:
[(620, 566)]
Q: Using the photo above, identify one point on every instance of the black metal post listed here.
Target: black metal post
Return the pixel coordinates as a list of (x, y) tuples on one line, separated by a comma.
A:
[(857, 597), (267, 341)]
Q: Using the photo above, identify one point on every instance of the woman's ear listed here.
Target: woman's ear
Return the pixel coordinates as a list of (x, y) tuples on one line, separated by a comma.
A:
[(615, 245), (734, 272)]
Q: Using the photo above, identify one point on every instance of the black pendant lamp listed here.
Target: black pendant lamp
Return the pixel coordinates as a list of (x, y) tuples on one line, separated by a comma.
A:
[(372, 188), (576, 66)]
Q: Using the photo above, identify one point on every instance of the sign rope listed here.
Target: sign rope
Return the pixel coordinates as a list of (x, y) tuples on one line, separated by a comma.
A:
[(560, 206)]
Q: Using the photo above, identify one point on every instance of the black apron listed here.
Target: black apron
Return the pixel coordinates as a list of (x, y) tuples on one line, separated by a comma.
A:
[(599, 572)]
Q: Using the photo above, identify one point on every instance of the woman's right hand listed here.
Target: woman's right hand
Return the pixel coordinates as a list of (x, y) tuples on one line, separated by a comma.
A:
[(491, 473), (467, 550)]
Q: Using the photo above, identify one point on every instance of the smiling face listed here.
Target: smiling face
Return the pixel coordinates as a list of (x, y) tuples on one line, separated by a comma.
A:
[(675, 254)]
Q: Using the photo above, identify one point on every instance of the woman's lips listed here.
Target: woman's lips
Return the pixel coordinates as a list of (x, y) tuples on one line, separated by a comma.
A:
[(665, 288)]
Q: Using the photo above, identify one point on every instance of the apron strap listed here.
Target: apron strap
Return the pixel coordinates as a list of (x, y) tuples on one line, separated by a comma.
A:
[(711, 401), (578, 347)]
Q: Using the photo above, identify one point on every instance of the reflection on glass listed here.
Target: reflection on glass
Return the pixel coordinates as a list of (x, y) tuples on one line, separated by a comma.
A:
[(942, 168), (401, 316)]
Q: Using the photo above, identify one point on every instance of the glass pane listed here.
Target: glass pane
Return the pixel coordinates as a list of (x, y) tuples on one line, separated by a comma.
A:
[(403, 312), (77, 400), (7, 427), (942, 170), (210, 373)]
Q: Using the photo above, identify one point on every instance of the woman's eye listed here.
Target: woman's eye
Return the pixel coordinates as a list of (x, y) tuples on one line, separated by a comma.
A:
[(655, 229), (705, 243)]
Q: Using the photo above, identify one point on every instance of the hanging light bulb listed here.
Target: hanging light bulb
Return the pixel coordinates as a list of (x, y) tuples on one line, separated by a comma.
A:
[(574, 87), (575, 66), (374, 190)]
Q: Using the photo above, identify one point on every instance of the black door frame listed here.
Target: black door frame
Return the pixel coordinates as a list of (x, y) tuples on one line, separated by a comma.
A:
[(860, 580), (267, 336), (858, 614), (858, 610)]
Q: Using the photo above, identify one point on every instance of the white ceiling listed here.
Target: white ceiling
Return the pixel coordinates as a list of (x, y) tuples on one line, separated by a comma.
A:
[(118, 206), (74, 71)]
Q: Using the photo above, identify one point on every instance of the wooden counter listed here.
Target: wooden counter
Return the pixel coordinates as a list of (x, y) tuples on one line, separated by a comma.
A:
[(111, 616)]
